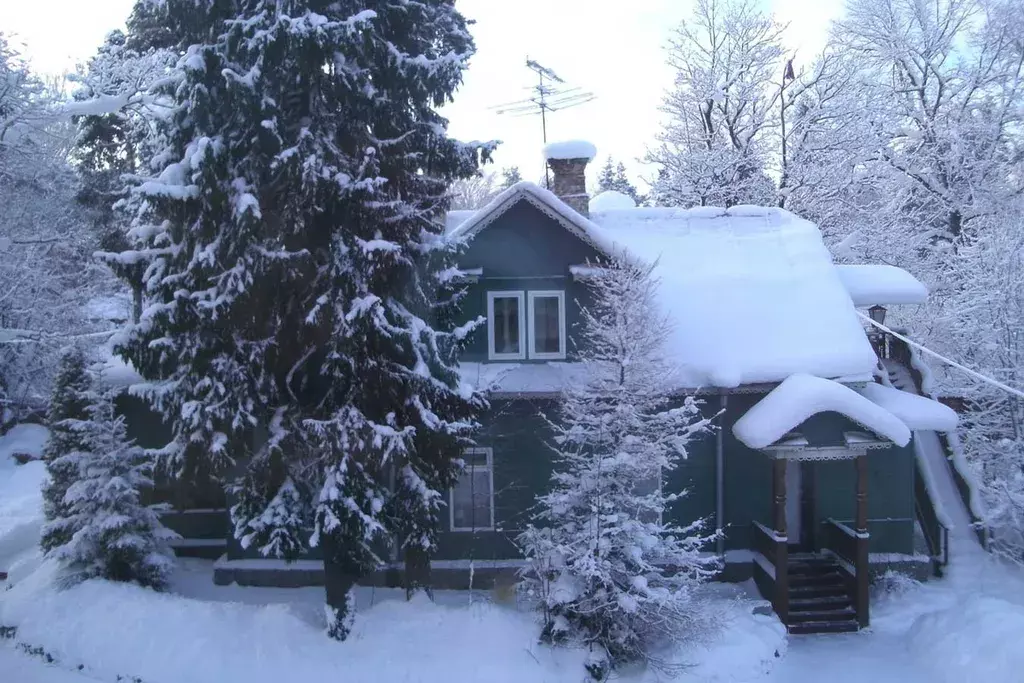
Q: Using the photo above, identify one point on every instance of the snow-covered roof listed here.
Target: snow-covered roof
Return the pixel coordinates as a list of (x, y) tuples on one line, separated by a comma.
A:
[(570, 149), (871, 285), (917, 412), (611, 200), (799, 397), (751, 292)]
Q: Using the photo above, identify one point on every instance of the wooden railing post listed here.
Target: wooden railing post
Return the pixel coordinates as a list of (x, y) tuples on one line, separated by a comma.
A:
[(781, 559), (862, 563)]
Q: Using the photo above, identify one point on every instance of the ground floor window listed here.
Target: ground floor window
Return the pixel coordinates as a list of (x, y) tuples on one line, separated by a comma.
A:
[(472, 498)]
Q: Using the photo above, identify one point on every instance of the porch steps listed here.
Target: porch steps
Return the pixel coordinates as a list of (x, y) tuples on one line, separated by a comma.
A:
[(819, 600)]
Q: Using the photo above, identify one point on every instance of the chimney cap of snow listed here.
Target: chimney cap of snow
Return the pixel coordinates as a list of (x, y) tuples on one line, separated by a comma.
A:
[(570, 149)]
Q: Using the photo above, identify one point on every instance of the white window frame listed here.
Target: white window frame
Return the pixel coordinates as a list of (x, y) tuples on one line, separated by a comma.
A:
[(523, 332), (489, 452), (548, 294)]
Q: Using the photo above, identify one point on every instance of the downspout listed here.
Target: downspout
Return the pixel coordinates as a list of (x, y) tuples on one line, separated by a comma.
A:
[(720, 478)]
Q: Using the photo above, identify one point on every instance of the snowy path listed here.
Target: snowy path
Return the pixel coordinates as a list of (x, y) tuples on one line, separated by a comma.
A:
[(852, 658)]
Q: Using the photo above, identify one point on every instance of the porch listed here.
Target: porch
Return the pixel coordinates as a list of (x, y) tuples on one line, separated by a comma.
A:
[(816, 576)]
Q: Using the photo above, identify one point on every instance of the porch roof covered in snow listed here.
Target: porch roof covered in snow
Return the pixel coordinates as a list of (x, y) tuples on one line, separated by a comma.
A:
[(751, 293), (888, 413), (801, 396), (882, 285)]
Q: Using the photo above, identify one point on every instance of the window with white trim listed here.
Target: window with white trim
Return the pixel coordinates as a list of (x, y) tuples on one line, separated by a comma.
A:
[(506, 318), (471, 502), (547, 325)]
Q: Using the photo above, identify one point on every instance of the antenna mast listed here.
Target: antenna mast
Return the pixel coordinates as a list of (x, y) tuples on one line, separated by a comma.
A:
[(548, 95)]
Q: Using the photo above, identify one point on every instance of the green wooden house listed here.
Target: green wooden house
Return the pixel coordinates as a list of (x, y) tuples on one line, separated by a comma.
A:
[(810, 472)]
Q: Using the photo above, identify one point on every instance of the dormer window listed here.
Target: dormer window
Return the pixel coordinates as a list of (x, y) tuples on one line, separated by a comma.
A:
[(525, 325)]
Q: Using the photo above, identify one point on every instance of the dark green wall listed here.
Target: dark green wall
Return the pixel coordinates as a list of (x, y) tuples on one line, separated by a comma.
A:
[(519, 437), (524, 249), (525, 242)]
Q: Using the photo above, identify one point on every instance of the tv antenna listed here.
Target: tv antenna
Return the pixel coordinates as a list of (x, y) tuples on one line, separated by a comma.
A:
[(549, 95)]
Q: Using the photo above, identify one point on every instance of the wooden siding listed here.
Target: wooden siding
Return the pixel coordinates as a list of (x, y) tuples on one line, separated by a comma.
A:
[(524, 250)]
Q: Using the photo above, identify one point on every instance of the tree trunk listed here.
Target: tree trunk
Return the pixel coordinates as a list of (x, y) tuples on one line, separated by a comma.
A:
[(417, 572), (339, 581)]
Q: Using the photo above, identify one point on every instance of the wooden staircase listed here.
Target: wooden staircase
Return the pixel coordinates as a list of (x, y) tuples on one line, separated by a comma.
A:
[(819, 596)]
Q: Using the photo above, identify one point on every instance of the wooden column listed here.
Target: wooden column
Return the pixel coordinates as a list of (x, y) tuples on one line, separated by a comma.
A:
[(863, 558), (781, 560), (779, 495)]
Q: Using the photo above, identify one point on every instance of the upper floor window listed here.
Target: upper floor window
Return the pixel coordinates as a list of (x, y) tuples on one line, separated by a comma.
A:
[(547, 325), (505, 323), (515, 333)]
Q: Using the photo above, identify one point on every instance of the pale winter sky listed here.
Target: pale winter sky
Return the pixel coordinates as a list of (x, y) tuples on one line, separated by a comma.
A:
[(616, 54)]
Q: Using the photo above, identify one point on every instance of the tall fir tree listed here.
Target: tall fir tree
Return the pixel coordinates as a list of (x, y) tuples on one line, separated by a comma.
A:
[(69, 406), (609, 570), (302, 312), (613, 178), (113, 535)]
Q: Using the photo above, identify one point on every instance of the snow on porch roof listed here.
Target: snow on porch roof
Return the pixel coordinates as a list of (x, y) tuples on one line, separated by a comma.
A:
[(751, 293), (799, 397), (871, 285), (917, 412)]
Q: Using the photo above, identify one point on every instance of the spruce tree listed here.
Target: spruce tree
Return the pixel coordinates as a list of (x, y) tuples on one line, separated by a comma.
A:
[(113, 535), (68, 413), (609, 567), (301, 319), (613, 178), (510, 176)]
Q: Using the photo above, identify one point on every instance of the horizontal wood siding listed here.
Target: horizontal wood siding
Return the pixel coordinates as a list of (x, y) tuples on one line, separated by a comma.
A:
[(519, 436), (748, 478)]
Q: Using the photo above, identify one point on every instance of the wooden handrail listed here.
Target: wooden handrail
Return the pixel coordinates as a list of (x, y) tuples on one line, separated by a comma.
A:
[(775, 550), (852, 549)]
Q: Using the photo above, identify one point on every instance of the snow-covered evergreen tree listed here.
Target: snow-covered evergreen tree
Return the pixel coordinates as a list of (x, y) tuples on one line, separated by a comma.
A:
[(510, 176), (69, 406), (112, 534), (610, 571), (613, 177), (301, 319)]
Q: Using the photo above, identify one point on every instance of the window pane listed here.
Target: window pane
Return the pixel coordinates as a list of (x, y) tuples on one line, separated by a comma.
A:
[(547, 332), (475, 457), (482, 497), (506, 324), (471, 500)]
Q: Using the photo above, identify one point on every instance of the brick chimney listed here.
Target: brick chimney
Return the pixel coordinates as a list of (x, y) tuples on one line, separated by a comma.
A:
[(568, 162)]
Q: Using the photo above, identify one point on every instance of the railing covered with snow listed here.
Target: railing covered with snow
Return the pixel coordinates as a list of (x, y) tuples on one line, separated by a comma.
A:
[(902, 352), (936, 534), (771, 567), (851, 549)]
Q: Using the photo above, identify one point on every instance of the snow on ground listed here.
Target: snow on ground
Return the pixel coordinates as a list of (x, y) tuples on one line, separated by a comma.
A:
[(963, 628), (21, 506), (18, 667)]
